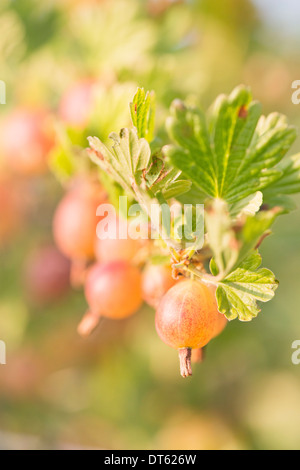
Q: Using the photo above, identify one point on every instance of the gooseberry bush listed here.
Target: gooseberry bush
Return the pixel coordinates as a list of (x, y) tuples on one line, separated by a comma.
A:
[(231, 162)]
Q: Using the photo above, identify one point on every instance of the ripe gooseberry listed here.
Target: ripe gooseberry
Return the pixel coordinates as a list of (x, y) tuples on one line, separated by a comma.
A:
[(76, 104), (112, 290), (156, 281), (221, 322), (113, 247), (198, 355), (12, 210), (46, 274), (26, 139), (186, 319), (75, 221)]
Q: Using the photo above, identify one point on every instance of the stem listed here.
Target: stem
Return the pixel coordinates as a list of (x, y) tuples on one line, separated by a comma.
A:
[(185, 355), (206, 278), (88, 323), (145, 203)]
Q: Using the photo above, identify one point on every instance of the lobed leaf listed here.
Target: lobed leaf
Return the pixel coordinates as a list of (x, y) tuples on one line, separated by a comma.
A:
[(126, 160), (235, 153), (142, 111), (231, 241), (238, 293), (288, 183)]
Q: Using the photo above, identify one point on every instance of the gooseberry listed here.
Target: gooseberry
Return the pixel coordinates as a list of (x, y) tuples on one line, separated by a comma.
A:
[(186, 319), (115, 248), (76, 104), (221, 322), (46, 274), (75, 221), (12, 210), (112, 290), (156, 281), (26, 139)]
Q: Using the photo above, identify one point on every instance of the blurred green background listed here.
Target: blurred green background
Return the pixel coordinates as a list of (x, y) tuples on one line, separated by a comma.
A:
[(121, 388)]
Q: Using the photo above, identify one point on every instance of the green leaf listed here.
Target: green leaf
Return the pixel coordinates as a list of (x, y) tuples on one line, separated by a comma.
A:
[(193, 154), (247, 206), (288, 183), (213, 267), (235, 153), (142, 111), (238, 293), (230, 240), (61, 164), (113, 189), (66, 159), (220, 235), (189, 227), (131, 152), (253, 231), (176, 188), (235, 305), (126, 160), (160, 178), (286, 203), (226, 132), (193, 196), (155, 172)]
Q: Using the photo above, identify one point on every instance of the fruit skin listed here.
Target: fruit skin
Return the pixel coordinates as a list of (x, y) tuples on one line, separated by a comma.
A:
[(75, 221), (156, 281), (221, 320), (198, 355), (46, 274), (115, 248), (26, 138), (76, 104), (186, 316), (12, 210), (113, 290)]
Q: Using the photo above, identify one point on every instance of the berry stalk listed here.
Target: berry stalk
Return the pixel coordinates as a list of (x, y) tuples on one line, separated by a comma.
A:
[(185, 356)]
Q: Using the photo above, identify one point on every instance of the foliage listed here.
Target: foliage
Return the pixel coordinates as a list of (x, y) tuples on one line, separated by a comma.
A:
[(232, 162)]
